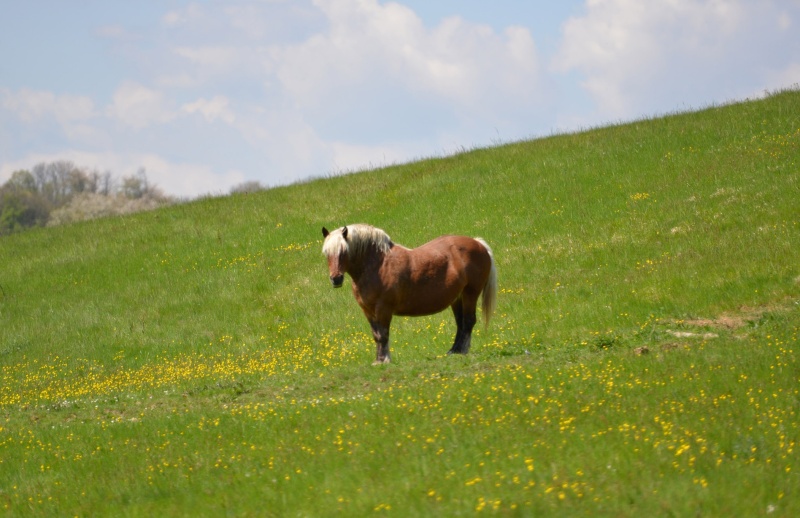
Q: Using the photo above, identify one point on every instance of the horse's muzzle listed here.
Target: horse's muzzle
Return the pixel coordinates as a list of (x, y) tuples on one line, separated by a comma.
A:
[(337, 281)]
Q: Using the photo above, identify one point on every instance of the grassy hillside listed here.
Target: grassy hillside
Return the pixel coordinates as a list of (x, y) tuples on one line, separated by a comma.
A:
[(642, 360)]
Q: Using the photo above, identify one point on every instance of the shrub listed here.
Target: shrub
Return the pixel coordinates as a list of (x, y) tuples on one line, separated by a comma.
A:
[(88, 206)]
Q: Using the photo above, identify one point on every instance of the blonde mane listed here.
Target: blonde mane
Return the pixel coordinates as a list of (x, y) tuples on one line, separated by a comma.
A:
[(360, 237)]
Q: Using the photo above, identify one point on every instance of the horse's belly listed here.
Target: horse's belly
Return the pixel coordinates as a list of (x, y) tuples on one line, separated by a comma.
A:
[(420, 310), (426, 302)]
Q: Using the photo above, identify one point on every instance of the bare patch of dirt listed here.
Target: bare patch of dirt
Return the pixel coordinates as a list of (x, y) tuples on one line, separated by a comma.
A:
[(722, 322), (737, 325), (687, 334), (731, 321), (727, 321)]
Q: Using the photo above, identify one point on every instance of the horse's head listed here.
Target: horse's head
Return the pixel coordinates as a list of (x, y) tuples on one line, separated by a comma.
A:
[(349, 249), (335, 249)]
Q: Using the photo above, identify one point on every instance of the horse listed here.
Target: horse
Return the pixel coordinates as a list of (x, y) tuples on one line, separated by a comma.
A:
[(390, 279)]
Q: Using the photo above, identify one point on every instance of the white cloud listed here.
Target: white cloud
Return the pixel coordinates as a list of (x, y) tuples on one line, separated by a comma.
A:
[(115, 32), (247, 19), (180, 17), (75, 115), (204, 65), (637, 56), (211, 109), (137, 106), (371, 46), (784, 21), (34, 105), (215, 57)]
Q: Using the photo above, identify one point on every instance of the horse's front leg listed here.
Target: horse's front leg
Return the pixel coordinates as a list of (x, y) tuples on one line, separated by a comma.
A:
[(380, 332)]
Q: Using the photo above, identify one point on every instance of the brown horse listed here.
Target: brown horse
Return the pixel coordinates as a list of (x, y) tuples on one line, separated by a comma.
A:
[(389, 279)]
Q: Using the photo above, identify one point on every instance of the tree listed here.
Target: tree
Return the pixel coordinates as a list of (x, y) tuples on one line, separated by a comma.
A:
[(137, 186), (247, 187), (21, 209), (22, 180), (104, 182)]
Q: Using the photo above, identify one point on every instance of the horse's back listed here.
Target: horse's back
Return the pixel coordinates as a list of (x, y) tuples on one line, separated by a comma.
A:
[(469, 251), (453, 243), (466, 261)]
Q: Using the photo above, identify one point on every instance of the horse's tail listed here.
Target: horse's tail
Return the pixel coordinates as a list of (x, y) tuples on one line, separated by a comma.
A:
[(489, 295)]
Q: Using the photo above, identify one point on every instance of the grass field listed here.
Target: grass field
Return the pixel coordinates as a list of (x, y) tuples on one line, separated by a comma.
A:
[(643, 359)]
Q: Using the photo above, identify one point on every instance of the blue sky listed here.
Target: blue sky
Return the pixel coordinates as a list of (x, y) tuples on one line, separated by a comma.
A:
[(206, 95)]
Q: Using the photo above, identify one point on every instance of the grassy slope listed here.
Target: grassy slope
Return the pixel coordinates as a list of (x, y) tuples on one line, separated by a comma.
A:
[(125, 340)]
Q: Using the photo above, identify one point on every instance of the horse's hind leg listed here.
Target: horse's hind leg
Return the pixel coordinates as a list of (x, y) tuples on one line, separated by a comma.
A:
[(458, 313), (464, 312), (380, 332)]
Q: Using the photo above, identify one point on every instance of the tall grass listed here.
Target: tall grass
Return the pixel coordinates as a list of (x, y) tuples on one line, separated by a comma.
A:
[(194, 360)]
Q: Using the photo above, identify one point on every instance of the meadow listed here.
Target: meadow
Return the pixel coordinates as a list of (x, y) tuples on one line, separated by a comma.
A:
[(194, 360)]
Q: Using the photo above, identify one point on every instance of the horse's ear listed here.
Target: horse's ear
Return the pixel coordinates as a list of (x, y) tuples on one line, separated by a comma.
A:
[(344, 232), (325, 232)]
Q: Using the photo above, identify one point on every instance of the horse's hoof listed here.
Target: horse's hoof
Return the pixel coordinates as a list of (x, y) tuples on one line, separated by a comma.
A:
[(381, 362)]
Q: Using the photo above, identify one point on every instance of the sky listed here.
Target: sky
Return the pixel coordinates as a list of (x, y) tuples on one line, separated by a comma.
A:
[(207, 95)]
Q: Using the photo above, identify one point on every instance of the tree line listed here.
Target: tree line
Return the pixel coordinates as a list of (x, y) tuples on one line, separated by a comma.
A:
[(59, 192)]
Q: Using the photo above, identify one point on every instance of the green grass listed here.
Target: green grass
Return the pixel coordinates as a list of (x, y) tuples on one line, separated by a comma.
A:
[(642, 361)]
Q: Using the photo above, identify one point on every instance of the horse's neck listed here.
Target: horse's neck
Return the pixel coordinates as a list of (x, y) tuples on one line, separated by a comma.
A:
[(369, 263)]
